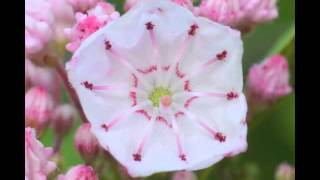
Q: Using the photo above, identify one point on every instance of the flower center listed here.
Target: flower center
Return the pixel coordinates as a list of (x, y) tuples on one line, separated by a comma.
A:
[(160, 94)]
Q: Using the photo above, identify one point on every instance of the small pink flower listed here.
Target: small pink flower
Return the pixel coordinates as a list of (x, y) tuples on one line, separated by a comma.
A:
[(184, 175), (285, 172), (37, 164), (269, 80), (163, 94), (240, 14), (62, 119), (86, 143), (79, 172), (38, 108), (86, 24), (83, 5), (185, 3), (38, 25)]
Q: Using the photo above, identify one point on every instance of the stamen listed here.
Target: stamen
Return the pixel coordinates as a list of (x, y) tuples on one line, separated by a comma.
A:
[(126, 63), (91, 87), (216, 135), (123, 116), (232, 95), (193, 29), (222, 55), (133, 96), (175, 128), (137, 155), (188, 101), (163, 120)]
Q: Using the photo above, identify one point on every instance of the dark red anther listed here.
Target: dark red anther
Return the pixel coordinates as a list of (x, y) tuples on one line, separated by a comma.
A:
[(107, 45), (149, 25), (87, 85), (232, 95), (183, 157), (220, 137), (222, 55), (136, 157), (105, 127), (193, 29)]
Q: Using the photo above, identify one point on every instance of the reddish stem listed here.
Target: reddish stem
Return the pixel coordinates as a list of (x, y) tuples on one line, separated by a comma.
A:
[(71, 92)]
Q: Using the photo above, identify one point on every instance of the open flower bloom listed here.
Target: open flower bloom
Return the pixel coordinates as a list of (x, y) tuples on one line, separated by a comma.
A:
[(89, 23), (161, 94), (241, 14), (37, 164), (269, 80), (38, 25)]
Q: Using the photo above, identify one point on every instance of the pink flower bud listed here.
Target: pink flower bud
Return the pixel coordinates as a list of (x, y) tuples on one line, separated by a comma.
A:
[(88, 23), (62, 119), (37, 164), (44, 77), (79, 172), (86, 143), (82, 5), (269, 80), (184, 175), (285, 172), (38, 25), (38, 108)]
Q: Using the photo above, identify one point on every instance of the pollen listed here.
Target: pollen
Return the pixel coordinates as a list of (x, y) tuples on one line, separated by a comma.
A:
[(157, 95)]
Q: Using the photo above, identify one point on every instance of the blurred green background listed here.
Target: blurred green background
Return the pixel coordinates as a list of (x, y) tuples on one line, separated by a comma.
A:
[(272, 140)]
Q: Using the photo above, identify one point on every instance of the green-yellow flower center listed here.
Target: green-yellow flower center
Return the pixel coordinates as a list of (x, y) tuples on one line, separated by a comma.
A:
[(156, 95)]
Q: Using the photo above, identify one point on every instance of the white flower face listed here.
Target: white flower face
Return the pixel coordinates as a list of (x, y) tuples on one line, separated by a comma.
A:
[(163, 89)]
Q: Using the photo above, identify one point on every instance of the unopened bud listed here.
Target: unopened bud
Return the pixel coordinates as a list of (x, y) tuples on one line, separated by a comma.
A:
[(62, 119), (285, 172), (86, 143)]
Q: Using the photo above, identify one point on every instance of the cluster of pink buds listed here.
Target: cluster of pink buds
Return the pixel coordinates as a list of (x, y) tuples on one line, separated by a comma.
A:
[(185, 3), (37, 163), (89, 22), (269, 80), (79, 172), (240, 14)]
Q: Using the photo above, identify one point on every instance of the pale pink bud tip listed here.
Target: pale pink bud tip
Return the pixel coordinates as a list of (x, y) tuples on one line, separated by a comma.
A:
[(285, 172), (86, 143), (270, 79), (38, 108), (37, 157), (79, 172), (62, 119), (184, 175)]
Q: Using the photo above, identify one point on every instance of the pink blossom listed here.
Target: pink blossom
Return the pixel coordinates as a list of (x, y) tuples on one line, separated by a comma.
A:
[(285, 172), (86, 143), (86, 24), (64, 18), (184, 175), (240, 14), (62, 119), (37, 163), (38, 108), (79, 172), (185, 3), (38, 25), (82, 5), (269, 80), (44, 77), (163, 94)]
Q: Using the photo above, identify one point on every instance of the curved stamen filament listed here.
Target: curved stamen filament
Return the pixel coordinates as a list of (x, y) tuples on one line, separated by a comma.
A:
[(124, 115), (215, 134), (145, 138), (128, 65)]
